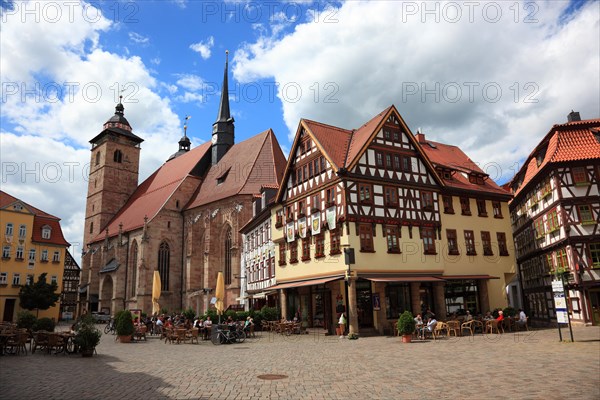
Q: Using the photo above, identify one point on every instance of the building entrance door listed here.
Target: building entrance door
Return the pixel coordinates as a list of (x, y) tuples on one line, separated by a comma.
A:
[(9, 310), (595, 303), (364, 304)]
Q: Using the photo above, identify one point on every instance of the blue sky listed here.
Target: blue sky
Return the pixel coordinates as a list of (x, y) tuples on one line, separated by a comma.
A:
[(490, 77)]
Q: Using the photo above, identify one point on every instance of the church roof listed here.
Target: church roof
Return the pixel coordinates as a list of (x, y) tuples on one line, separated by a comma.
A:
[(40, 219), (244, 169), (153, 193)]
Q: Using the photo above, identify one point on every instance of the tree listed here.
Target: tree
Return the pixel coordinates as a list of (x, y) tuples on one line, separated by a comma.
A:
[(39, 295)]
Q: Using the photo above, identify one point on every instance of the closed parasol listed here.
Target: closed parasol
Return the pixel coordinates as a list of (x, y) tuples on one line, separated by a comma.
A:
[(156, 293), (220, 294)]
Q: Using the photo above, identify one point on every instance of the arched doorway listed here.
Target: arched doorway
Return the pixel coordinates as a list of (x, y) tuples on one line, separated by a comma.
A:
[(106, 295)]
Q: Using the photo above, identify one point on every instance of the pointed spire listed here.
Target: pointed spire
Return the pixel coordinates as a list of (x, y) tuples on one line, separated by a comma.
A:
[(224, 113), (223, 136)]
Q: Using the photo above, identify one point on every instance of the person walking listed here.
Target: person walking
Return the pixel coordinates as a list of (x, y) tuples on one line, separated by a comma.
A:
[(342, 325)]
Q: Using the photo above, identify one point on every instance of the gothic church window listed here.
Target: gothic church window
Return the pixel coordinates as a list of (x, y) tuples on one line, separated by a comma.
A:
[(164, 255)]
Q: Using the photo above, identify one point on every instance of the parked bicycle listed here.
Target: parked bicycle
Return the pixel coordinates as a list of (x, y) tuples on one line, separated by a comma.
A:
[(110, 327), (227, 336)]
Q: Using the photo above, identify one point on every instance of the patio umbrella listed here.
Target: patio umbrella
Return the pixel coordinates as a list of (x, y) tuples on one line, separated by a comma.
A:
[(155, 293), (220, 294)]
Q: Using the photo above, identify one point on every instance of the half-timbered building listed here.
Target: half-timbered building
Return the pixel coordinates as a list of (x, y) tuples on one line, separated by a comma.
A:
[(70, 288), (358, 226), (555, 214), (258, 253)]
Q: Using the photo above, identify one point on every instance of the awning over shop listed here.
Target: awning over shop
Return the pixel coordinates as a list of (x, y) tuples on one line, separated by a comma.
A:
[(262, 295), (400, 278), (310, 282), (467, 277)]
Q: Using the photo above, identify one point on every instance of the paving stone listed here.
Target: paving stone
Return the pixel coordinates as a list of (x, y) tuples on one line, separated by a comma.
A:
[(532, 365)]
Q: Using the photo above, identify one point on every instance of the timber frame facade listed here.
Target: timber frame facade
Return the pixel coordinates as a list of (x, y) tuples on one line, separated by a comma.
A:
[(358, 229), (555, 216)]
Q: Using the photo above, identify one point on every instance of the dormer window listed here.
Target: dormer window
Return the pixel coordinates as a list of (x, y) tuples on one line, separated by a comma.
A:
[(221, 179), (46, 232), (477, 179)]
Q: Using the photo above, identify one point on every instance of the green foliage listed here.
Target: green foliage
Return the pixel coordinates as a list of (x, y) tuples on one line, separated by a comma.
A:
[(230, 313), (189, 314), (26, 320), (406, 323), (87, 336), (44, 324), (510, 312), (241, 315), (270, 313), (124, 323), (39, 295)]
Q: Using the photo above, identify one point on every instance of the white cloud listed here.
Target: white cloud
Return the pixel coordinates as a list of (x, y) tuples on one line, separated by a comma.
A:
[(155, 61), (351, 69), (137, 38), (189, 97), (204, 48), (74, 85), (190, 81), (180, 3)]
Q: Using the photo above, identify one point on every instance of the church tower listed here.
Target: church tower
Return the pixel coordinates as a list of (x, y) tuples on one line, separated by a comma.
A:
[(223, 128), (114, 168)]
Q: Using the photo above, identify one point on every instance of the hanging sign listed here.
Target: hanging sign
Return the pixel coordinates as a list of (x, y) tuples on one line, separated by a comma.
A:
[(330, 215), (560, 302), (290, 232), (302, 227), (315, 225)]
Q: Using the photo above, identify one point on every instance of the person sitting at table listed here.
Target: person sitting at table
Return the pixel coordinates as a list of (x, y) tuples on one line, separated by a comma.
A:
[(198, 323), (500, 316), (431, 324), (488, 316), (419, 325), (468, 316), (187, 324), (168, 323), (522, 321)]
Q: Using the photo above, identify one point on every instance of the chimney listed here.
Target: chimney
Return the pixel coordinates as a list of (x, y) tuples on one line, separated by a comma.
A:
[(420, 137), (573, 116)]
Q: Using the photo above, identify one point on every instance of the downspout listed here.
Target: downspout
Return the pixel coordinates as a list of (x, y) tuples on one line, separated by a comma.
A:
[(183, 252), (126, 272)]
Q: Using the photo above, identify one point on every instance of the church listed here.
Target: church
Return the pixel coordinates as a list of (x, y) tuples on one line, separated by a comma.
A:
[(182, 221)]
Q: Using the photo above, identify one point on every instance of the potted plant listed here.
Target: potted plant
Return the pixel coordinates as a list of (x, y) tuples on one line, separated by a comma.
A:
[(406, 326), (124, 326), (87, 337)]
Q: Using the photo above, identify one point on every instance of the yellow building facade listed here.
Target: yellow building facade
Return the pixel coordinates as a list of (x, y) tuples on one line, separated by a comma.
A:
[(32, 244)]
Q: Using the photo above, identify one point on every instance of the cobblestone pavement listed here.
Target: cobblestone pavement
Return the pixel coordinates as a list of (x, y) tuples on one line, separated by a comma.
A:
[(528, 365)]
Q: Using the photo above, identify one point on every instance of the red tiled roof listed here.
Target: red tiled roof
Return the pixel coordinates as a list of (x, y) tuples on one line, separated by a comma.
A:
[(571, 141), (154, 192), (453, 157), (248, 166), (361, 136), (56, 234), (40, 219), (333, 140)]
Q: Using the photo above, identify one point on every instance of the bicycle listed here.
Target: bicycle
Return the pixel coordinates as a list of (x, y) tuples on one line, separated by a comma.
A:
[(226, 336), (110, 327)]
